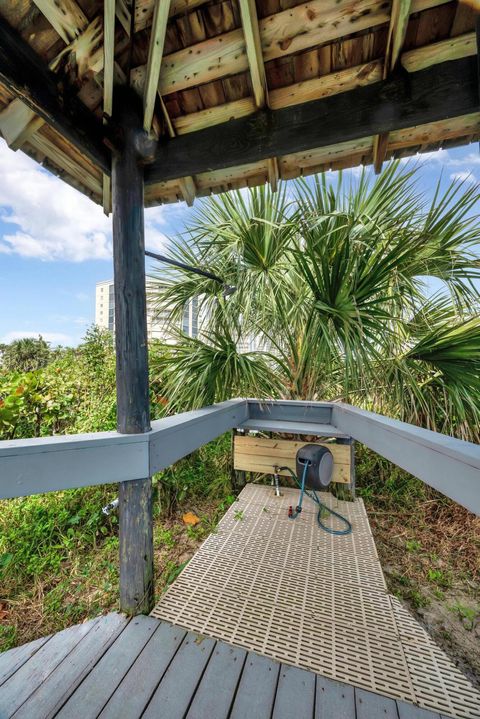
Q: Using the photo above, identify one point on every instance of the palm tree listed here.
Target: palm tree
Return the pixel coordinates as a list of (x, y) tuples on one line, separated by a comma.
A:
[(364, 292)]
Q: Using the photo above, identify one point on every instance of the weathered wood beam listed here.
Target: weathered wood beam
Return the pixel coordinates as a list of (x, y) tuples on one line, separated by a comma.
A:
[(273, 173), (399, 17), (106, 194), (447, 90), (123, 15), (66, 17), (155, 55), (108, 78), (454, 48), (25, 75), (108, 56), (258, 78), (380, 146), (187, 184), (326, 85), (253, 44), (214, 115), (282, 34), (133, 404)]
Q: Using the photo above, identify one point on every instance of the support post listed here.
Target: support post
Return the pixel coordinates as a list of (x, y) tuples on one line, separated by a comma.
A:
[(133, 417)]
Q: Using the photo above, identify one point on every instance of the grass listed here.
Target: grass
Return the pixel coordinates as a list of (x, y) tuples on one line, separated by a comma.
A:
[(59, 552)]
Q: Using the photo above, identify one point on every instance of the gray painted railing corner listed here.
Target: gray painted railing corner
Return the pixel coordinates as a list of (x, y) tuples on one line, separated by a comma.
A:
[(34, 466), (448, 464)]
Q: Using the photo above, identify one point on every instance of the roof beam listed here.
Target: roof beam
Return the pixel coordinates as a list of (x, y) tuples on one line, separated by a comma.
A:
[(282, 34), (400, 15), (187, 184), (155, 54), (29, 79), (108, 56), (453, 48), (253, 44), (66, 17), (446, 90)]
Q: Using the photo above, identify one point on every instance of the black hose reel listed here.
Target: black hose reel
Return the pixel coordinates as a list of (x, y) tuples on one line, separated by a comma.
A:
[(320, 468)]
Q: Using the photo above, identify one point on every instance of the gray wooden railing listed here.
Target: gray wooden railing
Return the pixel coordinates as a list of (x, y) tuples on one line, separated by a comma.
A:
[(46, 464)]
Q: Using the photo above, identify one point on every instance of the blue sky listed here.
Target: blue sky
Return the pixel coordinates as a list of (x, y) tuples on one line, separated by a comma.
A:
[(55, 244)]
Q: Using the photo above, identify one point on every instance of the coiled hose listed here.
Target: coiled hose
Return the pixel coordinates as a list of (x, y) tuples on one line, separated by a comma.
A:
[(313, 496)]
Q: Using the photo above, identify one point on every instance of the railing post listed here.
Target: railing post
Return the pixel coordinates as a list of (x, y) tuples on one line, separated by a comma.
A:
[(133, 416)]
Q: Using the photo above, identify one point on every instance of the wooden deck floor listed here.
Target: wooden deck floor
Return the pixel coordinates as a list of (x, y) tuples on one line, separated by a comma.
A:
[(118, 669)]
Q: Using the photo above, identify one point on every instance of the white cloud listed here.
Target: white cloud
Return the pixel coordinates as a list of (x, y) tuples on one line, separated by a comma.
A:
[(51, 220), (463, 176), (444, 159), (471, 159), (56, 338)]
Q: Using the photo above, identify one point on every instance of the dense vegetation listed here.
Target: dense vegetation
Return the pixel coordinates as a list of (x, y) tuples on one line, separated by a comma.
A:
[(335, 287), (365, 293)]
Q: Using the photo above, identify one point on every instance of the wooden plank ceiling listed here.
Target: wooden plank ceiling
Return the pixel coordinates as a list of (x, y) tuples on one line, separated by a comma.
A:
[(201, 63)]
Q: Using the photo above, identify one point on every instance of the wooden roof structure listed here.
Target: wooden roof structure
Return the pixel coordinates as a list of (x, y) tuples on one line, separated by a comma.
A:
[(238, 92)]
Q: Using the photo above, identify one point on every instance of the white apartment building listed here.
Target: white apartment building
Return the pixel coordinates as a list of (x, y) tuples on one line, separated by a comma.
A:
[(156, 326)]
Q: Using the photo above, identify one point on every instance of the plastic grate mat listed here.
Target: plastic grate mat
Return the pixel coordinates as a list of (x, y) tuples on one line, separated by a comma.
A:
[(288, 590)]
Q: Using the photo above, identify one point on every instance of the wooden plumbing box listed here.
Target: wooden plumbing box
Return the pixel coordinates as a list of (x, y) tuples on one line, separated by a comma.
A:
[(259, 454)]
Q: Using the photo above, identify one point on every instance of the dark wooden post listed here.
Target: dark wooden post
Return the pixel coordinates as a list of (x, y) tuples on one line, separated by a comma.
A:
[(135, 497)]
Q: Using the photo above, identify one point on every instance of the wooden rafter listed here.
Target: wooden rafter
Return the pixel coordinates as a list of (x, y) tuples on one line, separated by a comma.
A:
[(108, 77), (123, 15), (26, 77), (393, 104), (108, 55), (453, 48), (400, 15), (253, 44), (327, 85), (155, 54), (282, 34), (66, 17)]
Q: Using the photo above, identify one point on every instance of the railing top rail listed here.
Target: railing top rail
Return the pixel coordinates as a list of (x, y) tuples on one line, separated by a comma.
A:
[(46, 464)]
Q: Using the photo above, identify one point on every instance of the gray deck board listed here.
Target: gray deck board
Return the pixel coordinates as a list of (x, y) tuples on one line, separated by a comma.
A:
[(295, 693), (409, 711), (374, 706), (66, 677), (173, 696), (16, 690), (134, 692), (215, 693), (257, 688), (13, 659), (114, 668), (334, 699), (93, 693)]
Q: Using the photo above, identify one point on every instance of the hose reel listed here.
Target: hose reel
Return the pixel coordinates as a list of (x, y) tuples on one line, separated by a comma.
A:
[(314, 465), (320, 466)]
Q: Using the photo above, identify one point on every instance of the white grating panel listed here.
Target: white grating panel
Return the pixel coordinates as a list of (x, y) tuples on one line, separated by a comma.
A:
[(437, 682), (288, 590)]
